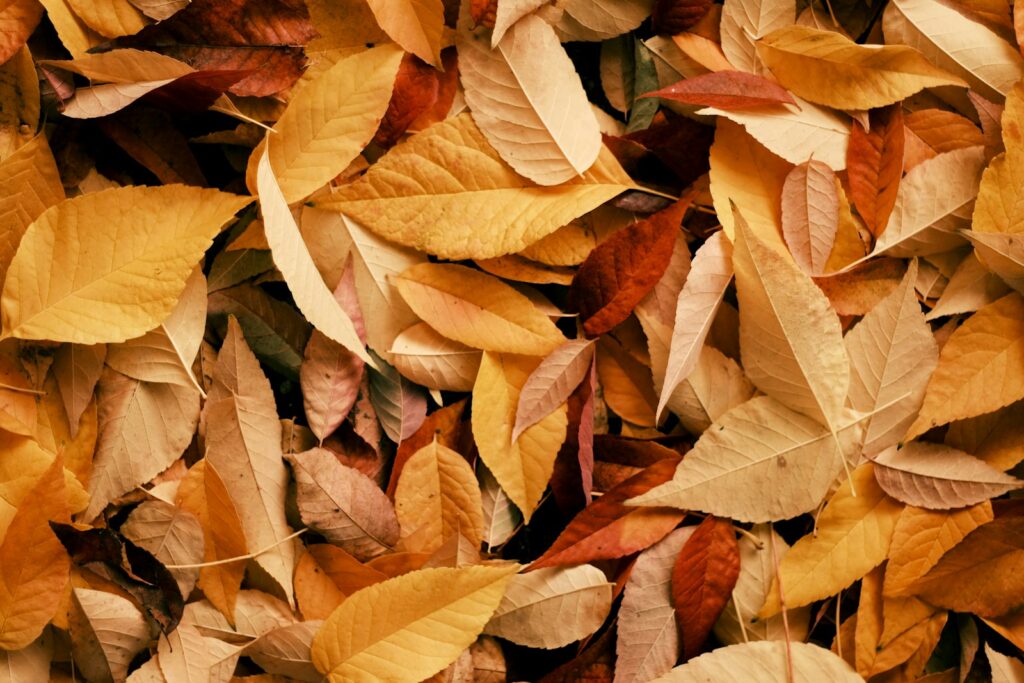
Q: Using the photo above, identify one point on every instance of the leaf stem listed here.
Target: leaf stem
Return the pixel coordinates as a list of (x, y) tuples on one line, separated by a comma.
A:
[(239, 558)]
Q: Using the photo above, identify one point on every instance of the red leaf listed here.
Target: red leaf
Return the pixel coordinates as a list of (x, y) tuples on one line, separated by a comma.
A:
[(679, 143), (19, 19), (607, 528), (416, 89), (260, 36), (620, 272), (729, 90), (675, 16), (149, 137), (594, 665), (874, 164), (483, 12), (702, 581)]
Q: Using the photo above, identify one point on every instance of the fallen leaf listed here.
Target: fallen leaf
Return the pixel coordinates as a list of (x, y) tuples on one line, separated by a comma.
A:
[(477, 310), (343, 505), (938, 477), (703, 578), (728, 90), (416, 25), (854, 532), (827, 68), (408, 611), (441, 216), (810, 215), (761, 661), (552, 382), (107, 631), (874, 164), (105, 287), (528, 100), (528, 614)]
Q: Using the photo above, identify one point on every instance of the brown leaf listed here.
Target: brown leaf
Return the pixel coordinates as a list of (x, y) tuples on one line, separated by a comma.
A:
[(728, 90), (702, 581), (874, 164), (810, 215), (607, 528), (343, 504)]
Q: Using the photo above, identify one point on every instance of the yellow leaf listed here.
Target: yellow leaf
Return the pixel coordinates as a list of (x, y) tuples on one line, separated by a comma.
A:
[(477, 310), (202, 492), (522, 467), (853, 538), (409, 627), (745, 173), (996, 438), (981, 367), (828, 68), (109, 266), (790, 338), (744, 21), (438, 497), (110, 18), (21, 466), (31, 184), (922, 537), (74, 34), (404, 198), (528, 100), (34, 568), (764, 662), (997, 208), (627, 383), (416, 25), (292, 258), (328, 122)]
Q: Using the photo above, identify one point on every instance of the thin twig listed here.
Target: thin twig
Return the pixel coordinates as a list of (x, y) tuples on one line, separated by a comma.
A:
[(782, 602), (240, 558)]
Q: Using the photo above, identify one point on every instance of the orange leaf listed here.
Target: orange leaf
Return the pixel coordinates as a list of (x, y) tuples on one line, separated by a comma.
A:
[(874, 163), (728, 90), (703, 579), (607, 528), (620, 271)]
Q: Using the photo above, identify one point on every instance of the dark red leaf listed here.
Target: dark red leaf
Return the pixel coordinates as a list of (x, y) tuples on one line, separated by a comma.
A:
[(596, 664), (150, 137), (444, 423), (675, 16), (680, 143), (194, 92), (573, 478), (265, 70), (620, 272), (874, 164), (702, 581), (608, 528), (729, 90), (416, 90), (19, 19)]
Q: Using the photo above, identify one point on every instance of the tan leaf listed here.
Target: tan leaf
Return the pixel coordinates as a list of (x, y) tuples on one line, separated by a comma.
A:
[(1001, 253), (107, 631), (402, 198), (938, 477), (77, 369), (973, 285), (647, 640), (551, 383), (978, 367), (552, 607), (757, 571), (892, 355), (243, 443), (853, 538), (292, 257), (437, 497), (173, 536), (790, 337), (763, 662), (143, 428), (477, 309), (522, 467), (416, 25), (930, 195), (166, 353), (974, 52), (810, 215), (744, 21), (434, 361), (343, 504), (285, 651), (528, 100), (760, 462), (696, 306)]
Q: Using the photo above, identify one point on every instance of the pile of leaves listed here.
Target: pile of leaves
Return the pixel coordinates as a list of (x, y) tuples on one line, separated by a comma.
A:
[(578, 340)]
